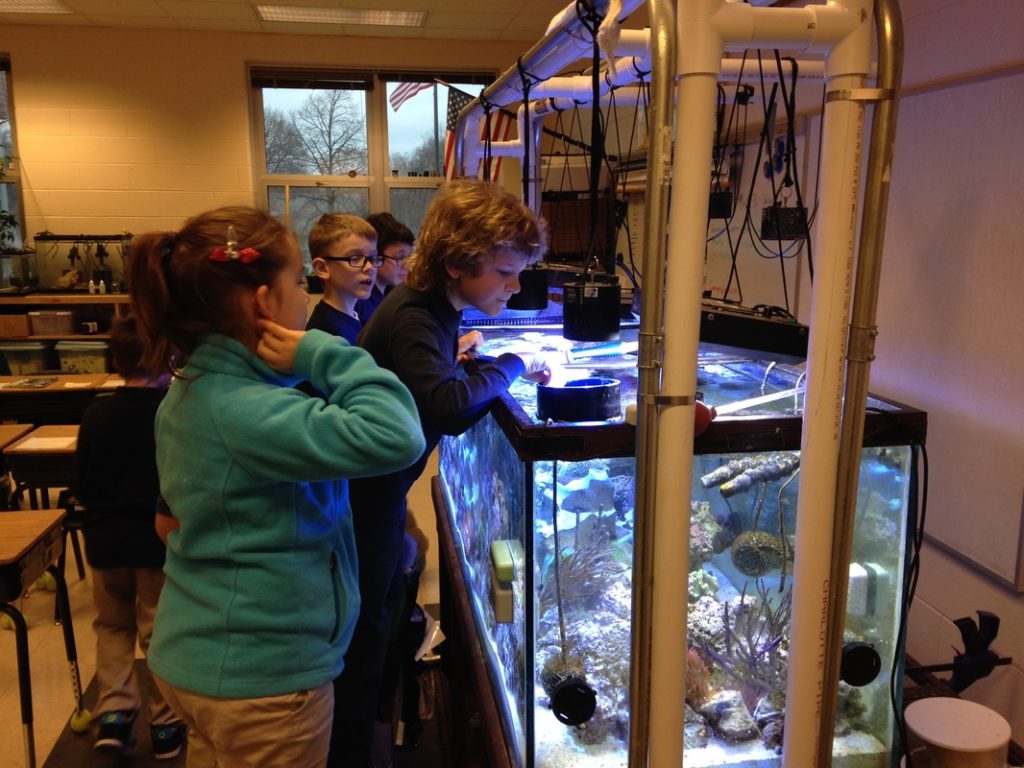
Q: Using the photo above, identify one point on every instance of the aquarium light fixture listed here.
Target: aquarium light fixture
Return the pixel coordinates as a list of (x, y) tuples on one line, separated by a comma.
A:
[(381, 18), (33, 6)]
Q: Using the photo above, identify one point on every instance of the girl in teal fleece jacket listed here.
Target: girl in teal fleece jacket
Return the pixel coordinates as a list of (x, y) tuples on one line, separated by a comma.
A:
[(261, 591)]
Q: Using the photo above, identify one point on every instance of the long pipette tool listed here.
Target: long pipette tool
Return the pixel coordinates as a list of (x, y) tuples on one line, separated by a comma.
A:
[(751, 402)]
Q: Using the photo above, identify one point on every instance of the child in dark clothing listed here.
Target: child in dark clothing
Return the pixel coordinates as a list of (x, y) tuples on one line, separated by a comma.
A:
[(344, 252), (394, 245), (475, 240), (115, 478)]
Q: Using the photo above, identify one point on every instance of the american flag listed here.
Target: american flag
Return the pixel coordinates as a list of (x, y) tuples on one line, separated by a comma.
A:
[(456, 101), (405, 91), (501, 128)]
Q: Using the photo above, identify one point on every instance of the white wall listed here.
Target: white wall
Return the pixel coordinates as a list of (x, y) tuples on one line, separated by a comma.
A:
[(950, 313)]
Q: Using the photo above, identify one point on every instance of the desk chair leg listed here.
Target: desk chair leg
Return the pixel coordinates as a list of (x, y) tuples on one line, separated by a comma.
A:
[(76, 548), (80, 718), (24, 680), (6, 492)]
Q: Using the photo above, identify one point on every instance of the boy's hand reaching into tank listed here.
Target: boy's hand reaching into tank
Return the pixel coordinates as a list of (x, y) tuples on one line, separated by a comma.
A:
[(469, 345), (538, 369), (277, 345)]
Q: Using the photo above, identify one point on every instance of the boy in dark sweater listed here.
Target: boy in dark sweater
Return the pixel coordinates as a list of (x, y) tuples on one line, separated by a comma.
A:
[(475, 240), (115, 479), (394, 246)]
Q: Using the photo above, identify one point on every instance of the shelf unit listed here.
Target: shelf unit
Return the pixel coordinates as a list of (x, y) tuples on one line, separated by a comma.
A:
[(86, 307)]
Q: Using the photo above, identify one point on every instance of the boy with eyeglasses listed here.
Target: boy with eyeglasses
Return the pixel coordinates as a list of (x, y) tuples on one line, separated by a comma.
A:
[(394, 245), (343, 248)]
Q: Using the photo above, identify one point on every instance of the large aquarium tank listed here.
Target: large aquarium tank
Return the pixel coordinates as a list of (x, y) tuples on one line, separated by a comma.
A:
[(541, 516)]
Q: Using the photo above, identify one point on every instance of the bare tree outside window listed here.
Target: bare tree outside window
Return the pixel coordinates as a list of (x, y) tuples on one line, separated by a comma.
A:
[(333, 131), (285, 150)]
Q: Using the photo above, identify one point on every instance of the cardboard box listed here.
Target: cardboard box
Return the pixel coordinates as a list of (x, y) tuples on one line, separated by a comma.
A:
[(14, 325)]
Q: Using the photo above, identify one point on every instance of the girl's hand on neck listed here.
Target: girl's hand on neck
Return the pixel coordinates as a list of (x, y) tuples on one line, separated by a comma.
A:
[(277, 344)]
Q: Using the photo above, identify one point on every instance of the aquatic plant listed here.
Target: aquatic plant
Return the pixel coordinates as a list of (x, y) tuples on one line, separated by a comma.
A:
[(751, 647)]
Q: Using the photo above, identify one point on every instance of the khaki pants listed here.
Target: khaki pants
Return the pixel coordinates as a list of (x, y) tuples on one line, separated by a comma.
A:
[(289, 731), (125, 601)]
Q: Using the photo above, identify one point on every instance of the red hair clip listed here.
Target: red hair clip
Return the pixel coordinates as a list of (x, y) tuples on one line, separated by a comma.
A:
[(231, 253)]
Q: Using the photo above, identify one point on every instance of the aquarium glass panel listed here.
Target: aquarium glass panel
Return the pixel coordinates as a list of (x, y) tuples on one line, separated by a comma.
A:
[(583, 526), (485, 483)]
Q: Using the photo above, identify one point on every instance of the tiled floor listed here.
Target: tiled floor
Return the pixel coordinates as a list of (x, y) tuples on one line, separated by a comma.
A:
[(52, 697)]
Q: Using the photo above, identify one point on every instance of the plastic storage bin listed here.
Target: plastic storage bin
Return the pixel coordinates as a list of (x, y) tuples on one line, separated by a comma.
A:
[(51, 322), (26, 356), (83, 356)]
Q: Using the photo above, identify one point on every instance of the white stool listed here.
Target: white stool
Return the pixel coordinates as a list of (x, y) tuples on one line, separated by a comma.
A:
[(957, 733)]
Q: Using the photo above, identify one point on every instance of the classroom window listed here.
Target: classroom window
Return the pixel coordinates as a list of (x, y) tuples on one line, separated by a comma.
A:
[(352, 142), (12, 225)]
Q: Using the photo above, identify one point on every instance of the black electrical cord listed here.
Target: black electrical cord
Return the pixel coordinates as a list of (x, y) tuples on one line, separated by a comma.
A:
[(917, 490), (789, 102)]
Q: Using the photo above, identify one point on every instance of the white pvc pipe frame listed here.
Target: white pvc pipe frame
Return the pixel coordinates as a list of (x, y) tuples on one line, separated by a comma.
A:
[(841, 30)]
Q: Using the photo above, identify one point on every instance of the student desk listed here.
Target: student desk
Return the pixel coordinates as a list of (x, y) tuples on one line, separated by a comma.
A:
[(8, 434), (41, 460), (61, 401), (29, 543)]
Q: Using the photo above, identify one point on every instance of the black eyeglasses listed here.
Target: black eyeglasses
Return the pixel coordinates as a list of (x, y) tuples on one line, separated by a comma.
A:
[(359, 262), (399, 260)]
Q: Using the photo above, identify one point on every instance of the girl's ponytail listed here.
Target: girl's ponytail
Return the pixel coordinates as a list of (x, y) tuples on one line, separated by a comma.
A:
[(188, 283), (151, 300)]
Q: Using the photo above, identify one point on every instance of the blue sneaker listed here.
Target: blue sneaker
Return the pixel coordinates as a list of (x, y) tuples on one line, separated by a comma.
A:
[(167, 740), (115, 730)]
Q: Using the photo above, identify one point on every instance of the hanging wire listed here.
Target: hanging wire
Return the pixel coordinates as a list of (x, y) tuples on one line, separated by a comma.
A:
[(528, 81), (487, 106)]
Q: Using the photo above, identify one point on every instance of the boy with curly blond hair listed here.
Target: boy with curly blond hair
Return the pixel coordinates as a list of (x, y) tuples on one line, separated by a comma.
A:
[(475, 240)]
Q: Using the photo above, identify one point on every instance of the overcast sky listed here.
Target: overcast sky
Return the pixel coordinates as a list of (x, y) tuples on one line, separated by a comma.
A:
[(407, 126)]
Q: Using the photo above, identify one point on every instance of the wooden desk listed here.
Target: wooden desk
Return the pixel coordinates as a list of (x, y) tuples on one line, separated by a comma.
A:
[(41, 460), (11, 432), (62, 401), (29, 543)]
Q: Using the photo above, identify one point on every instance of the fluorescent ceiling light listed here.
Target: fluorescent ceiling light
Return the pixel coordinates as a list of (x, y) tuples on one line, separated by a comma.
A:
[(33, 6), (340, 16)]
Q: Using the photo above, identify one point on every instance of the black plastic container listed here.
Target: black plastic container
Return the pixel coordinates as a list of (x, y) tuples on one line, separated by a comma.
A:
[(592, 399), (591, 309)]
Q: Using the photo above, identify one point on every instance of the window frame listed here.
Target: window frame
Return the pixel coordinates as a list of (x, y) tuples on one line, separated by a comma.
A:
[(10, 172), (379, 182)]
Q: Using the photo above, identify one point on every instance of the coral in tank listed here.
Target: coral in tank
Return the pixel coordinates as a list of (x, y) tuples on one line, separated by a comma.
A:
[(577, 579), (707, 536), (702, 584), (752, 646), (755, 553)]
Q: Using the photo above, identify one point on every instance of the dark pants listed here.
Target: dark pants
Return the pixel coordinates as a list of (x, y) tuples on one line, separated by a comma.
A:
[(357, 691)]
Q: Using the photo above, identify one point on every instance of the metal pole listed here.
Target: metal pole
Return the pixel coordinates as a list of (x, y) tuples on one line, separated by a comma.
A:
[(659, 166), (861, 344)]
